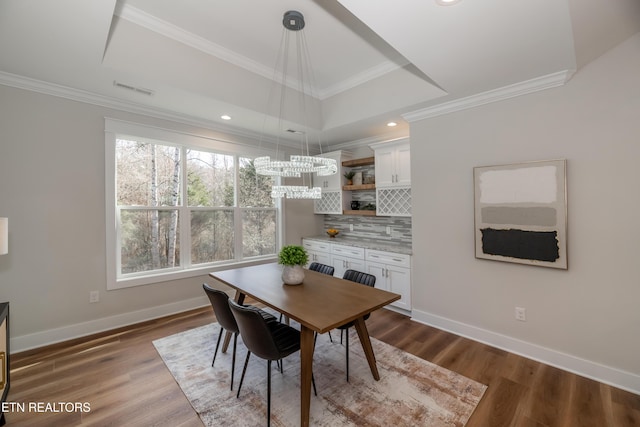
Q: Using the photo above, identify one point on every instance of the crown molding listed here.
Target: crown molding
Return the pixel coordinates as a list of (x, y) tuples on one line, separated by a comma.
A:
[(366, 142), (178, 34), (511, 91), (46, 88)]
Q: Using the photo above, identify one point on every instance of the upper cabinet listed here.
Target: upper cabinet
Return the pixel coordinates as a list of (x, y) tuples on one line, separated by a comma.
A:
[(333, 200), (393, 177), (393, 163), (331, 182)]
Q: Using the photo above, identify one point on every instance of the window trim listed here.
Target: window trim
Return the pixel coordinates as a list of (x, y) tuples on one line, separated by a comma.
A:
[(114, 129)]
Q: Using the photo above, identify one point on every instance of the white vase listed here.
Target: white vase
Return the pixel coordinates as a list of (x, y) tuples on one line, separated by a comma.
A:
[(357, 178), (292, 274)]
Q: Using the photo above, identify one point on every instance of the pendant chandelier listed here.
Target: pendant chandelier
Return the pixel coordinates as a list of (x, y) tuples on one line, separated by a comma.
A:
[(297, 165)]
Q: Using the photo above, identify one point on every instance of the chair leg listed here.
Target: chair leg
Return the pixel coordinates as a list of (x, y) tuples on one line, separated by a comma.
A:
[(313, 381), (233, 358), (246, 362), (347, 346), (217, 345), (268, 393), (330, 338)]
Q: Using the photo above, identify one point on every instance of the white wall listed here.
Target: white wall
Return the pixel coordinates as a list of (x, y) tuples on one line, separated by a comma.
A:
[(585, 319), (52, 189)]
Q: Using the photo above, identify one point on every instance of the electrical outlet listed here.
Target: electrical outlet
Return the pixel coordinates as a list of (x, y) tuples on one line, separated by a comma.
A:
[(350, 227), (521, 314), (388, 230), (94, 296)]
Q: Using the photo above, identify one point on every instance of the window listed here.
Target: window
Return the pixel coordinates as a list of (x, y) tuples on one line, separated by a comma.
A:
[(179, 207)]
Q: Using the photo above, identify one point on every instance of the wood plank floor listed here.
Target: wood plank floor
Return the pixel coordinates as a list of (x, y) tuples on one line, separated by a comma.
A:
[(121, 376)]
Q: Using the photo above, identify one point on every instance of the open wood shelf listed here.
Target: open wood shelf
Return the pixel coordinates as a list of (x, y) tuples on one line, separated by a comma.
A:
[(359, 162), (360, 212), (359, 187)]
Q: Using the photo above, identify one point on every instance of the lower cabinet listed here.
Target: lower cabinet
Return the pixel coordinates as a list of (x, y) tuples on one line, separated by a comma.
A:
[(393, 274), (392, 270), (347, 258), (317, 251)]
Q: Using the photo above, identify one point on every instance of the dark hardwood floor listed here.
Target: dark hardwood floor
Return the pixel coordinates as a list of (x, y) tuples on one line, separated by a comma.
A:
[(121, 376)]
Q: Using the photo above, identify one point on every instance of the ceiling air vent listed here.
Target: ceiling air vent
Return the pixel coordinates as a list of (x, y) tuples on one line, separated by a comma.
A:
[(141, 90)]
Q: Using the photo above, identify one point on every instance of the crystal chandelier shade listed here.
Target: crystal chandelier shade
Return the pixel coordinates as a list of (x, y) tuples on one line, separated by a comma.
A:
[(296, 192), (297, 165)]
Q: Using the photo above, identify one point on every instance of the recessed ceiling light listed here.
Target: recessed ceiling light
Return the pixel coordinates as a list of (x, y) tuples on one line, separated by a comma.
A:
[(225, 117), (446, 2), (392, 124)]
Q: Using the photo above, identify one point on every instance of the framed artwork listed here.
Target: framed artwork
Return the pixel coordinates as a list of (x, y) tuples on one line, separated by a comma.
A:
[(521, 213)]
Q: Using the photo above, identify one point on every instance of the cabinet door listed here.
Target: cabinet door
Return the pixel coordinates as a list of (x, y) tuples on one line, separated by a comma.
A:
[(318, 251), (377, 269), (385, 169), (403, 165), (321, 257), (399, 282), (343, 263), (331, 182)]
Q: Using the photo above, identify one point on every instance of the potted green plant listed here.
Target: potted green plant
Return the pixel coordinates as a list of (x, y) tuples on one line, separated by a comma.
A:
[(293, 257), (349, 176)]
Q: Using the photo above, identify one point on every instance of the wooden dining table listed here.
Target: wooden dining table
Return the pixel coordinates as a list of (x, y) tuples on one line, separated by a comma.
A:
[(319, 304)]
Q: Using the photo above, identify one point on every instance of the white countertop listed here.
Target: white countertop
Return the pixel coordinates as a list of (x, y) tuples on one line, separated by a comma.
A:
[(376, 245)]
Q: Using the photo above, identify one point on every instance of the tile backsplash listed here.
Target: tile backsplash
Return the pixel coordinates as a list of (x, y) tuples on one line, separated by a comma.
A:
[(373, 229)]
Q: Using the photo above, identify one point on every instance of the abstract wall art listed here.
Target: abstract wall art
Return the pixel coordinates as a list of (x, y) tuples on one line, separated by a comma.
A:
[(521, 213)]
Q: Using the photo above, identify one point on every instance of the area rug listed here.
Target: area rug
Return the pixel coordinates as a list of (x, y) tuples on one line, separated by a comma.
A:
[(411, 391)]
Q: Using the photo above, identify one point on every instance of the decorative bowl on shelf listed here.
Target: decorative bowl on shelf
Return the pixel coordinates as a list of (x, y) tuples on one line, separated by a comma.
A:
[(332, 232)]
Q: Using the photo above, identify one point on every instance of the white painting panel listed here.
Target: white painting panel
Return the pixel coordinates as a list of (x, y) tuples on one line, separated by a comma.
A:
[(524, 185)]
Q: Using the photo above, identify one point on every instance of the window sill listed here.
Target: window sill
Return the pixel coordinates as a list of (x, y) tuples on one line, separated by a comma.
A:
[(149, 279)]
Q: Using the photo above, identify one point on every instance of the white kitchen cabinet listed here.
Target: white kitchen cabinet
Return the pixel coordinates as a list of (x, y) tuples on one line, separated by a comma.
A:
[(393, 274), (393, 178), (393, 201), (331, 182), (333, 200), (345, 258), (393, 163), (318, 251)]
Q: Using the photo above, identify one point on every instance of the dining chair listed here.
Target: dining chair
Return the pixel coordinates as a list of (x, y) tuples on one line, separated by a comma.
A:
[(362, 278), (219, 302), (267, 340), (322, 268)]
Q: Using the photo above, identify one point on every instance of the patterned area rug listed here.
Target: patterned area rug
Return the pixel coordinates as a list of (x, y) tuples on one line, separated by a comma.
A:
[(411, 391)]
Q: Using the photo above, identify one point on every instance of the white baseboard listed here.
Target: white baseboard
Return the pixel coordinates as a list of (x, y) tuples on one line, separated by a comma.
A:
[(65, 333), (615, 377)]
